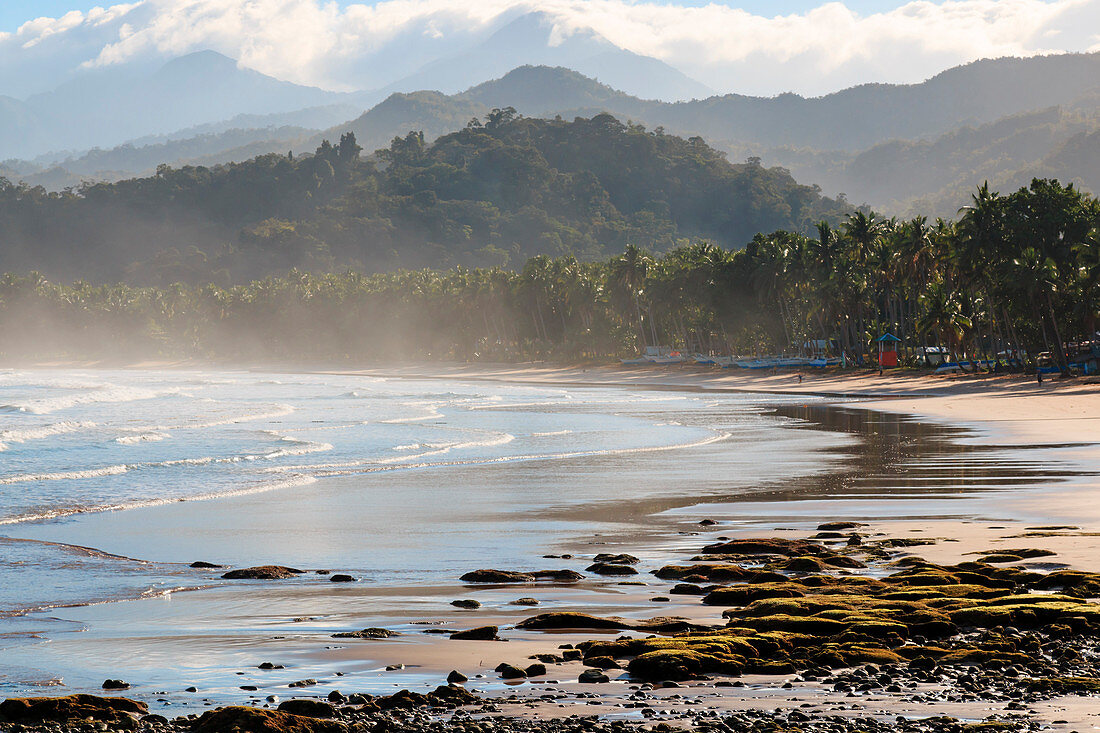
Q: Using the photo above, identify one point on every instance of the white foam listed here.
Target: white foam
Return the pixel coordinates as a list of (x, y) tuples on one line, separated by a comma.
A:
[(22, 435), (142, 438), (103, 393), (552, 432), (66, 475)]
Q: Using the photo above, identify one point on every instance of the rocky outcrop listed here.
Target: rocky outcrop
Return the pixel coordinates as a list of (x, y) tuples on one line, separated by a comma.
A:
[(262, 572)]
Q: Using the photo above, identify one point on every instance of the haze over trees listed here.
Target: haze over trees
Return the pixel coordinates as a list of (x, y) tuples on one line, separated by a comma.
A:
[(1013, 272), (494, 193)]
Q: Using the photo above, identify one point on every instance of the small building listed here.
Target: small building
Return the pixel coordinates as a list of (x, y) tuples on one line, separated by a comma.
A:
[(888, 350)]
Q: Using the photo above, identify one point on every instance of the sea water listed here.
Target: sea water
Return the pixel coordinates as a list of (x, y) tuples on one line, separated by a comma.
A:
[(113, 482)]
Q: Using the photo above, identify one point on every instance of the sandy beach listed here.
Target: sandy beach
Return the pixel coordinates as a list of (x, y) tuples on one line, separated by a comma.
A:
[(1031, 452)]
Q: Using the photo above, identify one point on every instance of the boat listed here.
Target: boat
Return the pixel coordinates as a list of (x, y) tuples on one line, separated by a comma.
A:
[(825, 361)]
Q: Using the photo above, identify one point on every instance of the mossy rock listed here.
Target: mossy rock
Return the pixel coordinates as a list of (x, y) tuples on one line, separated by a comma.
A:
[(798, 624), (741, 595), (679, 664), (716, 573), (1064, 685), (769, 546), (31, 710), (254, 720)]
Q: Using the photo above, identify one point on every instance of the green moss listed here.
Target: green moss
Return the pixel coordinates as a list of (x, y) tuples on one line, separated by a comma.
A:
[(678, 664), (740, 595)]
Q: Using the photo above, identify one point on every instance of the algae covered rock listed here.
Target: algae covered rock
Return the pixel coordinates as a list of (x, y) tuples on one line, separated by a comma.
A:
[(29, 710), (254, 720), (262, 572), (480, 633)]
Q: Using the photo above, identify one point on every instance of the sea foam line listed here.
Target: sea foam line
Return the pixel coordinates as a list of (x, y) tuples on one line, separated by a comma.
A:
[(23, 435)]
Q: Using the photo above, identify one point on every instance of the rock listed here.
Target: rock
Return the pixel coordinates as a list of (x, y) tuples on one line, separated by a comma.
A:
[(707, 523), (368, 633), (115, 685), (590, 676), (571, 655), (154, 719), (687, 589), (466, 603), (601, 663), (303, 683), (269, 665), (205, 565), (535, 670), (254, 720), (341, 578), (496, 576), (837, 526), (766, 546), (395, 667), (457, 677), (558, 576), (481, 633), (620, 559), (191, 689), (525, 601), (335, 696), (660, 599), (606, 568), (32, 710), (307, 708), (510, 672), (571, 620), (262, 572)]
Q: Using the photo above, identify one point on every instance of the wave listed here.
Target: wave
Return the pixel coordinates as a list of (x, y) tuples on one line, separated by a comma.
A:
[(291, 481), (142, 438), (103, 393), (23, 435), (552, 432), (349, 468), (64, 475), (301, 448)]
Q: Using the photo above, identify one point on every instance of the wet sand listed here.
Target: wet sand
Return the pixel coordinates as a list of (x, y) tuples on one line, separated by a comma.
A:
[(970, 463)]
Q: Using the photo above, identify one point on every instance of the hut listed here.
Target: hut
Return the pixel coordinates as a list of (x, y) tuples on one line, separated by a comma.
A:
[(888, 350)]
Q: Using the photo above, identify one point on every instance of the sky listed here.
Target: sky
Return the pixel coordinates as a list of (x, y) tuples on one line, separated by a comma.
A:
[(13, 13), (759, 47)]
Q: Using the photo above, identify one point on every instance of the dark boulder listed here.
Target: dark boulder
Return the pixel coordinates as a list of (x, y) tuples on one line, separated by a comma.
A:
[(368, 633), (205, 565), (607, 568), (115, 685), (481, 633), (254, 720), (262, 572), (341, 578), (620, 559), (466, 603), (308, 708), (31, 710), (591, 676), (457, 677)]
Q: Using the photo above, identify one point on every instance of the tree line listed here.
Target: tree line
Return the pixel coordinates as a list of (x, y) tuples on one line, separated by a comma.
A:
[(1011, 274), (498, 192)]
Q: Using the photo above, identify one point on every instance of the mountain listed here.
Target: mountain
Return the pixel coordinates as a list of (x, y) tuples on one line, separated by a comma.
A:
[(108, 107), (494, 194), (535, 39)]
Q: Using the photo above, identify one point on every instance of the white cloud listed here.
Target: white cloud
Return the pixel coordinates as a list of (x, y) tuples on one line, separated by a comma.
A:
[(363, 46)]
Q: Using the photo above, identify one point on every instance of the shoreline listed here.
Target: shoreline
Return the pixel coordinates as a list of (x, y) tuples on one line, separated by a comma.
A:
[(1017, 420)]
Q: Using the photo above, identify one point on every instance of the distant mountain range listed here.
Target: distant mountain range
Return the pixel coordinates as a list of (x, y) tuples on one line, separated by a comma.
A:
[(900, 148)]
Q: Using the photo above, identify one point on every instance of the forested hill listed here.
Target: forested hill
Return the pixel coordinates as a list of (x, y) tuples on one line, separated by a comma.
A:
[(491, 194)]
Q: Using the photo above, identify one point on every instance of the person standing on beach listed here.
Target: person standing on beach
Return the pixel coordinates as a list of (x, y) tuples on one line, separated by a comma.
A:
[(1038, 375)]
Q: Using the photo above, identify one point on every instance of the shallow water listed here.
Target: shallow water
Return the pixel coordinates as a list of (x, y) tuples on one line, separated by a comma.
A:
[(111, 483)]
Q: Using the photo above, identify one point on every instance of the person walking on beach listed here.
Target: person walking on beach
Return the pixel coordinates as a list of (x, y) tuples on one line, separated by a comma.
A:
[(1038, 375)]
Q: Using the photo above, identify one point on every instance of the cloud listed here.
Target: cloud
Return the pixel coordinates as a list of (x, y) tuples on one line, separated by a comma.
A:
[(360, 46)]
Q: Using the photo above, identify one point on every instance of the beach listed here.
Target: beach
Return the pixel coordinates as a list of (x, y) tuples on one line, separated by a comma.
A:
[(969, 464)]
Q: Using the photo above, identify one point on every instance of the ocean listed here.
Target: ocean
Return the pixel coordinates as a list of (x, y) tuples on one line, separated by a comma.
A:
[(113, 482)]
